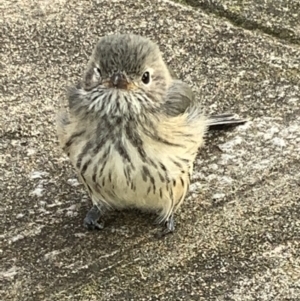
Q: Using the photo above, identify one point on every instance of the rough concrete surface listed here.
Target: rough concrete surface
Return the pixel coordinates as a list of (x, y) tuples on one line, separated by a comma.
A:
[(275, 17), (237, 233)]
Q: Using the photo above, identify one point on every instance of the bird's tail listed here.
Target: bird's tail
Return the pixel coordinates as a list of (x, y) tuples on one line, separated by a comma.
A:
[(216, 122)]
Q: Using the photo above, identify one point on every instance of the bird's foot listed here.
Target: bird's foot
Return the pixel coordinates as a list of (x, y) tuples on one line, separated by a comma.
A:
[(169, 227), (92, 218)]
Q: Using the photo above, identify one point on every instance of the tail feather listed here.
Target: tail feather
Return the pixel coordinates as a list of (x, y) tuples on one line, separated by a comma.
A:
[(216, 122)]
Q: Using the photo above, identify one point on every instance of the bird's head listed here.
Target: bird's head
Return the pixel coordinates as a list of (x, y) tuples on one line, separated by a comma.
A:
[(126, 68)]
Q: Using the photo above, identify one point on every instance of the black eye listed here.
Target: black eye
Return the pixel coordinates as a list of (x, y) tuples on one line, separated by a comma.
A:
[(146, 78), (98, 71)]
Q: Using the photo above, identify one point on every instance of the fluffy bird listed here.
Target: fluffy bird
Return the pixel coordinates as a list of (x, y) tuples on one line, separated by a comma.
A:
[(132, 131)]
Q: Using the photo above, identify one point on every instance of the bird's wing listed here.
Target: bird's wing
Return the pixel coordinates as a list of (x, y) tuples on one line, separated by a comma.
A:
[(179, 98)]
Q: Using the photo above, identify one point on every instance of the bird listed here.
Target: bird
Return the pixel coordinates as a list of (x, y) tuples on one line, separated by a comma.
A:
[(132, 130)]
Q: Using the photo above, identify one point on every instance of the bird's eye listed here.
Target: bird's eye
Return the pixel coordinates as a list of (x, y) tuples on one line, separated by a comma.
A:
[(97, 72), (146, 78)]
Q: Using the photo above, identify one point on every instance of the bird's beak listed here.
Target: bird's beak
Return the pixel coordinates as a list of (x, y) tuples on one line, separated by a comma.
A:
[(118, 80)]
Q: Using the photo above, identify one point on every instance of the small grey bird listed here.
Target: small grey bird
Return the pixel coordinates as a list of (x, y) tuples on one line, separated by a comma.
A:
[(132, 131)]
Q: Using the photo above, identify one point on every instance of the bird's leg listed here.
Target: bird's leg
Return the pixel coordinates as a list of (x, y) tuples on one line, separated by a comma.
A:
[(92, 218), (169, 226)]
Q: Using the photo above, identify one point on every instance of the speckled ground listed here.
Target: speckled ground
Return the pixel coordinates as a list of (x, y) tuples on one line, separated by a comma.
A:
[(237, 233), (274, 17)]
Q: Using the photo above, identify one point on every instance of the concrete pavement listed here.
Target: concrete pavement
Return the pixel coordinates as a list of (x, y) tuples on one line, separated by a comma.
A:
[(237, 233)]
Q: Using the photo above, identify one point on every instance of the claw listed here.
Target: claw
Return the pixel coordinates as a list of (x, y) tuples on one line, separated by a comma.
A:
[(91, 219), (169, 227)]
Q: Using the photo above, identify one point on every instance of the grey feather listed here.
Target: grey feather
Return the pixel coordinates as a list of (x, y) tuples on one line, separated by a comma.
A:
[(216, 122), (179, 97)]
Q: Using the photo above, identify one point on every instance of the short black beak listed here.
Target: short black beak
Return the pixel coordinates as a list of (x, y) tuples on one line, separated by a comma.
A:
[(119, 80)]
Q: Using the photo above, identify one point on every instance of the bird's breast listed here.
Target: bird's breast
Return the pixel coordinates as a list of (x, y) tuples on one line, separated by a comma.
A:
[(129, 168)]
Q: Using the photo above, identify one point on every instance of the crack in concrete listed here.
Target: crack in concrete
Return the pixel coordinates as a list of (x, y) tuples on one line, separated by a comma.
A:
[(239, 21)]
